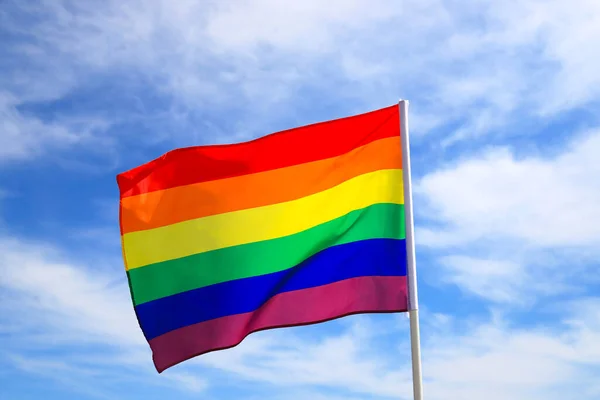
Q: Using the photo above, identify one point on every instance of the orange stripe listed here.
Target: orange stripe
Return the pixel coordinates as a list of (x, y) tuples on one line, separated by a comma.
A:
[(165, 207)]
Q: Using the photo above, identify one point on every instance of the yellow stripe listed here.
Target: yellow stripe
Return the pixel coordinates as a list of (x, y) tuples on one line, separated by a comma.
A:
[(262, 223)]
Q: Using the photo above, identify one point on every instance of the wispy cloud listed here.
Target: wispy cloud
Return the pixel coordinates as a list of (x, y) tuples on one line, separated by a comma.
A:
[(543, 201), (24, 136), (499, 215), (499, 280), (497, 361), (51, 305)]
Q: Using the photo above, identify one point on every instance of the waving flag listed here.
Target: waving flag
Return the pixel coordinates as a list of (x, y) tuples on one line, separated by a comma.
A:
[(294, 228)]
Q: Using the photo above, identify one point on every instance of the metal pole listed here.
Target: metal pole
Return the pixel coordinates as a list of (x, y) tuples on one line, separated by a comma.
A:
[(413, 305)]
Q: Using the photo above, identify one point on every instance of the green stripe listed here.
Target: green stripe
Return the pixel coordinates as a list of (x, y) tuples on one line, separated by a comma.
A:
[(175, 276)]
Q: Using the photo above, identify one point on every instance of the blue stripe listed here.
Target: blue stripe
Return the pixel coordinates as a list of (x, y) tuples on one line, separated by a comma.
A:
[(373, 257)]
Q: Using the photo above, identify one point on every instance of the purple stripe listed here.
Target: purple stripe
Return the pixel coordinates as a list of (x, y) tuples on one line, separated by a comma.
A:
[(369, 294)]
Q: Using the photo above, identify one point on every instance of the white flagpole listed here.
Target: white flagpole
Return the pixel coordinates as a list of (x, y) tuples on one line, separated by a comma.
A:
[(413, 304)]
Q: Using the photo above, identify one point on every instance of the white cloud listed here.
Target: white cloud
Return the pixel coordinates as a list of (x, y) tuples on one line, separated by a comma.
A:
[(24, 136), (341, 362), (496, 280), (504, 226), (84, 316), (560, 34), (88, 309), (307, 27), (497, 361), (543, 202)]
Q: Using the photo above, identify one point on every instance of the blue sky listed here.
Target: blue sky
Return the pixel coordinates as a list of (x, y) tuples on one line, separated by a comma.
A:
[(505, 142)]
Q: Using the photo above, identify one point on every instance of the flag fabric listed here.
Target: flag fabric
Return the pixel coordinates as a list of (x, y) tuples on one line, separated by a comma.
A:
[(293, 228)]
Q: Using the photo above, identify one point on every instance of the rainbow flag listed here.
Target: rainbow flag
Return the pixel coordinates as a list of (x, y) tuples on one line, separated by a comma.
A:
[(294, 228)]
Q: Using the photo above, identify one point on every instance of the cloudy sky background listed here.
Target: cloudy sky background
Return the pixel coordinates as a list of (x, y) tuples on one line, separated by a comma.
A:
[(505, 128)]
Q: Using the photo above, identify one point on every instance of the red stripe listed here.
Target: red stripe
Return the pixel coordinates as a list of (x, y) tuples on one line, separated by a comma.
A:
[(283, 149), (302, 307)]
